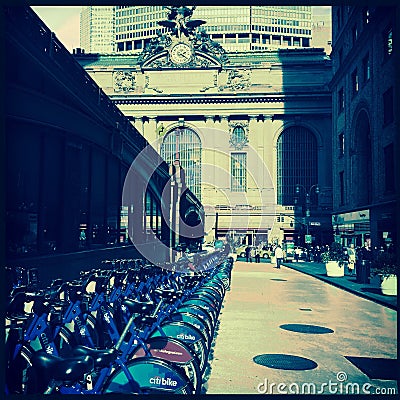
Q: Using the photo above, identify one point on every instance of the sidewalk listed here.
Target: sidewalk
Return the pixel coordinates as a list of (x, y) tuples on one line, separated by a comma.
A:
[(369, 291), (280, 326)]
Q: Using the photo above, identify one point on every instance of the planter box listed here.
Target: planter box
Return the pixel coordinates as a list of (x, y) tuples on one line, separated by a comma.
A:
[(389, 285), (333, 270)]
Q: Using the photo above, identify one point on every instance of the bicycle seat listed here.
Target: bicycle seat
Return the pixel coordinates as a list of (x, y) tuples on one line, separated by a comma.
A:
[(138, 307), (165, 293), (60, 369), (101, 358)]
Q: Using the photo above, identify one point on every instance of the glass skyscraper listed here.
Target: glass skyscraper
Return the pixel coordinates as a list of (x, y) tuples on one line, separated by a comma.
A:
[(97, 29), (237, 28)]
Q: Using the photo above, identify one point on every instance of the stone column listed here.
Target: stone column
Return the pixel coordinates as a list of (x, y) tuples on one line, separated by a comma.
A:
[(151, 130), (253, 131), (224, 123)]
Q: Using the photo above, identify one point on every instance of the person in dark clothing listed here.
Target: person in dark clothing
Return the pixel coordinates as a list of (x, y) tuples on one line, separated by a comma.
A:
[(365, 253), (257, 256), (363, 264), (248, 254)]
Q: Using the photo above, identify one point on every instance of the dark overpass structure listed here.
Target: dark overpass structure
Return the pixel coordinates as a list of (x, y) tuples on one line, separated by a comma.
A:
[(68, 153)]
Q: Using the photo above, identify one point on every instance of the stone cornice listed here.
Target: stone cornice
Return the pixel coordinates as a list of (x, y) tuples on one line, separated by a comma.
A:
[(235, 98)]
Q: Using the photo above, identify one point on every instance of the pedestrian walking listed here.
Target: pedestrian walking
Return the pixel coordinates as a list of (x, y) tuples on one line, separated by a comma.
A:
[(297, 252), (351, 263), (257, 256), (248, 255), (252, 254), (278, 256)]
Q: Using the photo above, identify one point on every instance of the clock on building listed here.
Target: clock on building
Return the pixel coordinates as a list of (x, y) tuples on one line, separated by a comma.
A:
[(181, 53)]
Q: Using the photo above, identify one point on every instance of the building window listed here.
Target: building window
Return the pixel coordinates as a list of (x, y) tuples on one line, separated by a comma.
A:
[(341, 145), (238, 172), (341, 183), (238, 134), (388, 112), (354, 82), (340, 100), (184, 144), (366, 68), (388, 42), (389, 168), (296, 163)]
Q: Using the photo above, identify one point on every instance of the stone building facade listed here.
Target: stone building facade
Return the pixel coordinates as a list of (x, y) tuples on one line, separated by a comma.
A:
[(365, 124), (246, 127)]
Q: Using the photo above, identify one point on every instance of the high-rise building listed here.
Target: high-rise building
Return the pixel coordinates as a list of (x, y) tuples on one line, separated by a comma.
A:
[(365, 124), (322, 30), (236, 28), (97, 29)]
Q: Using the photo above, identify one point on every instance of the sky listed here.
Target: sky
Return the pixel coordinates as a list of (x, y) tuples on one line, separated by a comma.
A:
[(64, 21)]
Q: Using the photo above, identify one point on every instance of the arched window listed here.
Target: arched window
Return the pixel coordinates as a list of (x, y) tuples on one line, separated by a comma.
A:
[(297, 163), (238, 137), (184, 144), (238, 134)]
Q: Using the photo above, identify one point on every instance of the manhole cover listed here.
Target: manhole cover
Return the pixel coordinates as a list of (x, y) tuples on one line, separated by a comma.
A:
[(302, 328), (278, 280), (305, 309), (284, 361)]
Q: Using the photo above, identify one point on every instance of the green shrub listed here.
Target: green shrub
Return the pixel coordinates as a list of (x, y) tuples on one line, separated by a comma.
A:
[(334, 253)]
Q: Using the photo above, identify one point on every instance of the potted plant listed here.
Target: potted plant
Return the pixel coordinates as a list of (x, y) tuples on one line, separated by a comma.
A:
[(334, 258), (385, 265)]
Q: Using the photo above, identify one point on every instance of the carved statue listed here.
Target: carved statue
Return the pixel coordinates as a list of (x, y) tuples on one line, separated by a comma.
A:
[(179, 21), (197, 41)]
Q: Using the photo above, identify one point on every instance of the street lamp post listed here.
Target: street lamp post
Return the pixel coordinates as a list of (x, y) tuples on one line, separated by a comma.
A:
[(308, 200)]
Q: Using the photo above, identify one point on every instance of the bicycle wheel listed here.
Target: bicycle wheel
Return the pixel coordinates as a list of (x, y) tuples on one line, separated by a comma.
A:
[(211, 292), (148, 375), (187, 334), (204, 305), (199, 313), (176, 352), (194, 321)]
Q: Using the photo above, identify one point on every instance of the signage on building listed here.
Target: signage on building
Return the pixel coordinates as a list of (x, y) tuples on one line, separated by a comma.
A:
[(308, 239), (351, 217)]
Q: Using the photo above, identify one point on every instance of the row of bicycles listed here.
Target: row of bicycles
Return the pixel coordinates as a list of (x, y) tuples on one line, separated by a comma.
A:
[(127, 327)]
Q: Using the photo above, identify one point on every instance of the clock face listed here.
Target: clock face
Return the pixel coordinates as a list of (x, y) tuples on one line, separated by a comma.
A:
[(181, 53)]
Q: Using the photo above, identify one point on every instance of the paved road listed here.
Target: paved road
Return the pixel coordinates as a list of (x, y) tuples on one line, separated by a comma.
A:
[(262, 299)]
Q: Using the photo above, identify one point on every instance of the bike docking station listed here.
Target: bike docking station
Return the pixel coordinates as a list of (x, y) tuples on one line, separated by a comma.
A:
[(133, 328)]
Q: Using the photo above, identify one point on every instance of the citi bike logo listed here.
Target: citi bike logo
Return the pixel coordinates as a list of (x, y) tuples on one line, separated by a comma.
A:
[(184, 336), (106, 315), (81, 328), (47, 345), (157, 380)]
